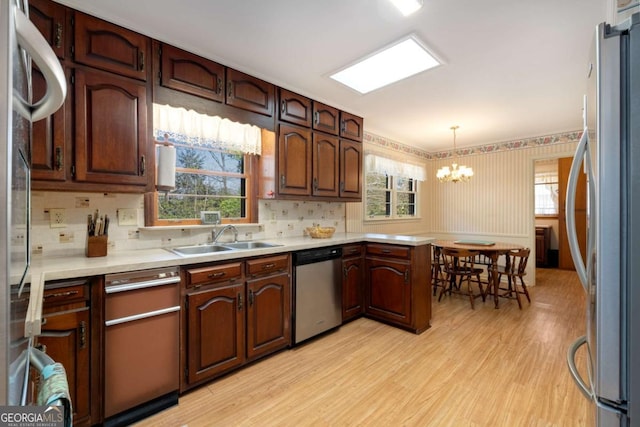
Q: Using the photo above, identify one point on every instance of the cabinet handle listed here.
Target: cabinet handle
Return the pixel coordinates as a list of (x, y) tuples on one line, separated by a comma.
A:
[(341, 186), (406, 276), (58, 37), (282, 180), (316, 117), (283, 107), (141, 58), (270, 265), (216, 275), (219, 85), (60, 294), (345, 272), (250, 297), (386, 251), (239, 301), (343, 126), (315, 184), (59, 159), (83, 334), (143, 165), (230, 90)]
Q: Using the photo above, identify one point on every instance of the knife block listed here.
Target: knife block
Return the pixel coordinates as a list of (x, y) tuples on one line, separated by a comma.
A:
[(97, 245)]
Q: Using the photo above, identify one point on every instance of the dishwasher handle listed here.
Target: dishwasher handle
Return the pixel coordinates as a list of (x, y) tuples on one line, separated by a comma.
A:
[(141, 285), (141, 316)]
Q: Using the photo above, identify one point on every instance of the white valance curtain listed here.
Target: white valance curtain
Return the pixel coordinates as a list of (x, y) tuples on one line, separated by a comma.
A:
[(200, 129), (387, 166)]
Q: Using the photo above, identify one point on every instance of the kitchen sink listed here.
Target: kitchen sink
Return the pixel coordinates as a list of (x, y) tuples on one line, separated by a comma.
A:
[(249, 245), (219, 247), (199, 249)]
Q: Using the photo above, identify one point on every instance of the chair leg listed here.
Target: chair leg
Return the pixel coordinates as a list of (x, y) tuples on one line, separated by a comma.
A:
[(515, 290), (524, 288), (444, 287), (469, 290)]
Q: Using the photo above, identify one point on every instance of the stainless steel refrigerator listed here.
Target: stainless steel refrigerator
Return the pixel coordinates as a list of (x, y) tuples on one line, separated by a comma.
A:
[(609, 153), (20, 43)]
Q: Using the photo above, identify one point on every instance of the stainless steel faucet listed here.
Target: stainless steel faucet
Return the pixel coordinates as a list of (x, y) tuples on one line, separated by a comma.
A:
[(215, 236)]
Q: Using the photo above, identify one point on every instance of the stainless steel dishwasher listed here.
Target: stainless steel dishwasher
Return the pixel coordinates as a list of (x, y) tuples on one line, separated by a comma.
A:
[(142, 321), (318, 292)]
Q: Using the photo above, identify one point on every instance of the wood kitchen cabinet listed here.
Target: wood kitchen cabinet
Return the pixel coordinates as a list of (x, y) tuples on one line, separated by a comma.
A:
[(352, 282), (51, 20), (189, 73), (398, 285), (326, 118), (67, 338), (294, 108), (249, 93), (326, 164), (230, 321), (293, 151), (351, 126), (268, 305), (112, 145), (542, 246), (51, 155), (101, 44), (215, 331), (351, 170)]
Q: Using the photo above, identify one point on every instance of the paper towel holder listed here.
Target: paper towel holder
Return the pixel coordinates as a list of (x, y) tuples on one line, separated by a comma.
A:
[(165, 179)]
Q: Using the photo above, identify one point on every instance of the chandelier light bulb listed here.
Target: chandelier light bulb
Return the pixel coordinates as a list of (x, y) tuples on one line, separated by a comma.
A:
[(455, 173)]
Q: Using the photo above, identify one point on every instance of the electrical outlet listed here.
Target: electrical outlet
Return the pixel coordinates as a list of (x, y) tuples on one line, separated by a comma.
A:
[(127, 217), (57, 218)]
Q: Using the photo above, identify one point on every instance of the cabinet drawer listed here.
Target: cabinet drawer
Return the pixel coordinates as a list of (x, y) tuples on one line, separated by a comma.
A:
[(214, 274), (351, 251), (389, 250), (64, 293), (262, 266)]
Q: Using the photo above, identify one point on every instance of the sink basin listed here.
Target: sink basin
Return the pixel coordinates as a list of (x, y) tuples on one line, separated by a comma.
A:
[(249, 245), (199, 249)]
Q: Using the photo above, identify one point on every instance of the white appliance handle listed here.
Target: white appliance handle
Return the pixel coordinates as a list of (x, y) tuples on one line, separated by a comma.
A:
[(572, 184), (571, 361), (30, 39)]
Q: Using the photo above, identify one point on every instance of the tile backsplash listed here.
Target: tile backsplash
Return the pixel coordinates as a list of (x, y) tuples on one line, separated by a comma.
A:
[(276, 219)]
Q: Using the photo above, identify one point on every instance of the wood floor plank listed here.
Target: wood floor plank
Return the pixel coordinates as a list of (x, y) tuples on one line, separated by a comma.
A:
[(482, 367)]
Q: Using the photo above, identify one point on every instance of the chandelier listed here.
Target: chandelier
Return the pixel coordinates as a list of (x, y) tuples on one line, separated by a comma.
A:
[(454, 173)]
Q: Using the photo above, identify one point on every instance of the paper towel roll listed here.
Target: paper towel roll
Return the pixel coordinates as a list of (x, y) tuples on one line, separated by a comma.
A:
[(166, 173)]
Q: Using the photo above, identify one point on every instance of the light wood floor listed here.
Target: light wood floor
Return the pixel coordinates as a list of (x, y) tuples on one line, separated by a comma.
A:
[(482, 367)]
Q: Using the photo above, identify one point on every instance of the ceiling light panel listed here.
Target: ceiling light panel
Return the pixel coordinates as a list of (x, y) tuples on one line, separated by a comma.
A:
[(407, 7), (397, 62)]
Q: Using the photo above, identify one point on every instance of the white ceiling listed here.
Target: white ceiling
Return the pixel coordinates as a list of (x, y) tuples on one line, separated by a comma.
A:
[(512, 68)]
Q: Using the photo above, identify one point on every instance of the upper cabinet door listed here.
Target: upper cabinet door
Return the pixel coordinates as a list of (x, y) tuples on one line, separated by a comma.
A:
[(50, 19), (326, 157), (351, 126), (249, 93), (294, 108), (192, 74), (112, 48), (326, 118), (111, 129), (350, 169), (294, 160)]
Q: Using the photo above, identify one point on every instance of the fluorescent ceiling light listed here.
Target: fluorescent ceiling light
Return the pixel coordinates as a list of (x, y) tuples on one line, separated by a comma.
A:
[(397, 62), (407, 7)]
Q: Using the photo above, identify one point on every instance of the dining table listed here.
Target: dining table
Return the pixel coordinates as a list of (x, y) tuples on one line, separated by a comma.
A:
[(492, 250)]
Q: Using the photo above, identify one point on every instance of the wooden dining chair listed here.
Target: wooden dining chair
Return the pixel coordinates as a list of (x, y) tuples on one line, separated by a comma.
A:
[(437, 264), (459, 267), (515, 269)]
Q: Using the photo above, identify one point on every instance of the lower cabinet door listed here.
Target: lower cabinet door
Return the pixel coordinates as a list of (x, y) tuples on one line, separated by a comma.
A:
[(268, 320), (389, 292), (66, 338), (215, 332), (352, 288)]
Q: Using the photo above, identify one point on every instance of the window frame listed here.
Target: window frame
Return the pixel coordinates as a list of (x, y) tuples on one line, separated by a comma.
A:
[(392, 195), (251, 203), (535, 199)]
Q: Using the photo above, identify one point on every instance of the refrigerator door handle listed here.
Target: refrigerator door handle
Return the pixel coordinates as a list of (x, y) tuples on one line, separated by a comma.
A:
[(582, 152), (30, 39), (571, 362)]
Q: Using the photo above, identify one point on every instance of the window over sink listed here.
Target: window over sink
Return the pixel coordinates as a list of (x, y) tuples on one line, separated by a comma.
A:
[(213, 168)]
